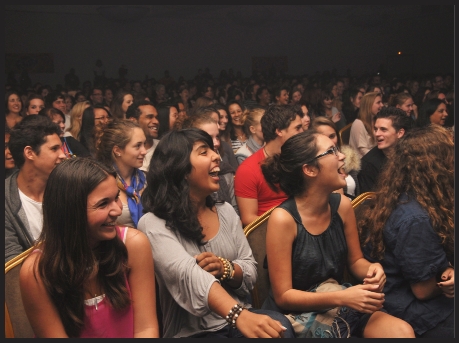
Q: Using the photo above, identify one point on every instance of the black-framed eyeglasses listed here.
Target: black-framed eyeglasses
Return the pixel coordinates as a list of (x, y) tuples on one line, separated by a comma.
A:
[(332, 150)]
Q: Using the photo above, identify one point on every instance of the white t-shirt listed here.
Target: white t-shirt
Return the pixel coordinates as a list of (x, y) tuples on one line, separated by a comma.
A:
[(350, 185), (147, 158), (34, 213)]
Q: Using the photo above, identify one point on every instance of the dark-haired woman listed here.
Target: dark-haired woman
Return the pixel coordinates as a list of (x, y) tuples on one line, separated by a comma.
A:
[(204, 265), (312, 237), (88, 277)]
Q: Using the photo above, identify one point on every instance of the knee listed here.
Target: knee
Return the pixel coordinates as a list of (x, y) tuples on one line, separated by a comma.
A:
[(405, 330)]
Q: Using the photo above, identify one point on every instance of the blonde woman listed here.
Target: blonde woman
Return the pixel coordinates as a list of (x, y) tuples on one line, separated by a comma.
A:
[(251, 121), (361, 137), (75, 119)]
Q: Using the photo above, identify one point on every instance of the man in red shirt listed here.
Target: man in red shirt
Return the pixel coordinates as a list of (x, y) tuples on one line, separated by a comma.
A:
[(253, 195)]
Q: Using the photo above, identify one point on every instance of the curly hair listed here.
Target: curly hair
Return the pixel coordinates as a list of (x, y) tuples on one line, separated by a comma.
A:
[(422, 167)]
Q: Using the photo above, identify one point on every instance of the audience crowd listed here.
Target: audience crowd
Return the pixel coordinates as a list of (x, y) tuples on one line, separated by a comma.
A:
[(187, 164)]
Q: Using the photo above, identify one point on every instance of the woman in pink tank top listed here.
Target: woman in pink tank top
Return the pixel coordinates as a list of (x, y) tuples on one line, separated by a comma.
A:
[(88, 277)]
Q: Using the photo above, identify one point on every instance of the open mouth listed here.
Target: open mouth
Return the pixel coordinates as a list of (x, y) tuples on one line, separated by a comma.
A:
[(214, 172), (341, 170), (109, 224)]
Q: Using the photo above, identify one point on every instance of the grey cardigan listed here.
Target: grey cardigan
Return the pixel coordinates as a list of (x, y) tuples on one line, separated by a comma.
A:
[(17, 232)]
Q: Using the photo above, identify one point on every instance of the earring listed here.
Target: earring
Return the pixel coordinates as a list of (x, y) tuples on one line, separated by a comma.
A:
[(118, 155)]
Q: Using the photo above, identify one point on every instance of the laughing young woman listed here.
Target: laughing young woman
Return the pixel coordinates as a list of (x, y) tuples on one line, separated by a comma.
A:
[(204, 264), (311, 237)]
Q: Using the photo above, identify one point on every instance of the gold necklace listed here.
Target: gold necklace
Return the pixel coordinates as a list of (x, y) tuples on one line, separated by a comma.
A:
[(264, 149)]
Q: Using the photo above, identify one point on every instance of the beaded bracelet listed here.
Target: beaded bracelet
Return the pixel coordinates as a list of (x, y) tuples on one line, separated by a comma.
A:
[(228, 269), (233, 314)]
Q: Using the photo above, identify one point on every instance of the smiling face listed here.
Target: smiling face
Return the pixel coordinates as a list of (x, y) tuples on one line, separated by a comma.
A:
[(203, 178), (295, 127), (356, 100), (9, 162), (14, 104), (235, 112), (385, 134), (282, 99), (60, 104), (173, 115), (49, 156), (134, 152), (329, 132), (57, 119), (439, 116), (407, 106), (296, 96), (222, 119), (104, 206), (148, 121), (213, 131), (35, 106), (331, 174)]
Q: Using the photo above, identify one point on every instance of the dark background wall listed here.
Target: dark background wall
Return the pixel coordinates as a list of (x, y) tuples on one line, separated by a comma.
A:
[(183, 39)]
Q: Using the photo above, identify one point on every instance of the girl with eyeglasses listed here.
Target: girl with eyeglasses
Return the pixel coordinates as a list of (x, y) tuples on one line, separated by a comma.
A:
[(312, 238)]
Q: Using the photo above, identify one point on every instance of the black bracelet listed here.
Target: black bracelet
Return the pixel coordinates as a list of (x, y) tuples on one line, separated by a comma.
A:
[(233, 314)]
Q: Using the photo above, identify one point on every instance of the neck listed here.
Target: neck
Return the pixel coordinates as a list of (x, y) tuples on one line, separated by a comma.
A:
[(257, 140), (31, 184), (271, 148), (148, 143), (125, 172), (314, 201)]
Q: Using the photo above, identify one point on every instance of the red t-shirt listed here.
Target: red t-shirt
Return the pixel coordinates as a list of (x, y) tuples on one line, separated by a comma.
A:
[(250, 183)]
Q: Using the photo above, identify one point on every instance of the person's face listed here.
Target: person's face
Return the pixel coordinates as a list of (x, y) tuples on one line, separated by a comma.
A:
[(44, 93), (57, 119), (80, 98), (137, 87), (439, 116), (327, 102), (182, 112), (357, 99), (214, 132), (9, 162), (377, 105), (108, 96), (209, 93), (134, 152), (127, 101), (331, 165), (49, 156), (265, 97), (256, 131), (385, 133), (68, 105), (148, 121), (306, 120), (222, 119), (340, 86), (203, 178), (282, 99), (104, 206), (439, 82), (173, 115), (329, 132), (185, 95), (296, 96), (414, 88), (101, 118), (35, 106), (335, 91), (236, 113), (407, 106), (255, 89), (97, 96), (295, 127), (14, 103), (59, 104), (441, 96)]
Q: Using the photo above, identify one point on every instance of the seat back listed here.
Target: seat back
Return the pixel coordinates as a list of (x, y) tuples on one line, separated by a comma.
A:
[(256, 235), (16, 322), (344, 134)]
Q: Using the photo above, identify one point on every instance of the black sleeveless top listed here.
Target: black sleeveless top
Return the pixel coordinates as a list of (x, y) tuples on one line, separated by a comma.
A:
[(315, 258)]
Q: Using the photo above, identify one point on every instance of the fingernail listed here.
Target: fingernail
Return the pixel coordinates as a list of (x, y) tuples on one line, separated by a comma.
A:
[(283, 327)]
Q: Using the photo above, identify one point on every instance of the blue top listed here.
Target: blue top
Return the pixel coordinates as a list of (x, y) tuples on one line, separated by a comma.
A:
[(413, 253)]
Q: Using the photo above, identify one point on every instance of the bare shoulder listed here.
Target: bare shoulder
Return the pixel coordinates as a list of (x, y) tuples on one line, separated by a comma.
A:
[(135, 237), (281, 221)]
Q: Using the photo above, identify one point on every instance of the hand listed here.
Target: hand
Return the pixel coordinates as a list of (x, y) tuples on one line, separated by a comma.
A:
[(210, 263), (375, 276), (253, 325), (447, 283), (363, 298), (336, 117)]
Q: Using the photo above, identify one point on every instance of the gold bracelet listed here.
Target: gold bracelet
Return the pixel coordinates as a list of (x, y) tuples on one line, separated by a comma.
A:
[(225, 268)]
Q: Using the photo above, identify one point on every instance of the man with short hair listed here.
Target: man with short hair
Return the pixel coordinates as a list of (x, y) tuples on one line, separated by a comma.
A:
[(96, 96), (391, 124), (36, 149), (437, 82), (253, 195), (144, 113)]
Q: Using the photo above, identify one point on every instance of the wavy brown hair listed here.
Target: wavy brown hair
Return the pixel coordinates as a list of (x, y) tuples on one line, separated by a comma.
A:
[(422, 167)]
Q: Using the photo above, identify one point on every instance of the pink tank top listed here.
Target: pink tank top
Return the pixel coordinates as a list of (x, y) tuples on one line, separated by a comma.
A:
[(101, 320)]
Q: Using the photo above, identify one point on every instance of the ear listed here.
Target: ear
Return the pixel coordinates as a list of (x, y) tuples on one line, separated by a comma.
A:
[(252, 128), (309, 171), (133, 120), (116, 150), (400, 133), (29, 153), (279, 133)]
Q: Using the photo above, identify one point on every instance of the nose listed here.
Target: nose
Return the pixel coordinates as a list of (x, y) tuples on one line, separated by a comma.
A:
[(116, 208), (341, 156), (61, 154)]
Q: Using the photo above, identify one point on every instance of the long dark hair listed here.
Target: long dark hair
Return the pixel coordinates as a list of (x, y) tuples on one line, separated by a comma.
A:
[(67, 260), (167, 194)]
